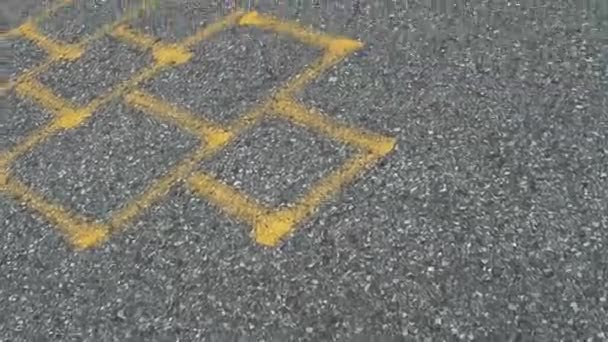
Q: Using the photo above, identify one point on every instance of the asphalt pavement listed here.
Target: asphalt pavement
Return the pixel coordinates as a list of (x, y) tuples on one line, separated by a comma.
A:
[(485, 220)]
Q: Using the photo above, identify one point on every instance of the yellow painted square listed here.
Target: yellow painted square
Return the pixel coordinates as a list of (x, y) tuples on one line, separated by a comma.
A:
[(270, 225)]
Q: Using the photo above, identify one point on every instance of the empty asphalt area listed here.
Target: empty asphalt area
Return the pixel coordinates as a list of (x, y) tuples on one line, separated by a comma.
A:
[(312, 171)]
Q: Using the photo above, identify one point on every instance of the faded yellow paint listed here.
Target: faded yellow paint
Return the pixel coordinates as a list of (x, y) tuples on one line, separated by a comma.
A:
[(269, 225)]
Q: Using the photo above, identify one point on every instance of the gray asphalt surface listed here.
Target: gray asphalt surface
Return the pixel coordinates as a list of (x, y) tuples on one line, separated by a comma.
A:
[(489, 222)]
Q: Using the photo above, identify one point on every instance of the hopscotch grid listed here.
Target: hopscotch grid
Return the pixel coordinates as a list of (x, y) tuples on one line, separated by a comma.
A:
[(270, 225)]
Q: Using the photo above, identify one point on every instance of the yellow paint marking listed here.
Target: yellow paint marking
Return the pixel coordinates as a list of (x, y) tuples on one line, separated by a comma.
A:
[(270, 229), (202, 128), (270, 226), (209, 31), (227, 198), (128, 35), (335, 48), (31, 88), (333, 44), (33, 139), (157, 190), (313, 119), (164, 54), (69, 118), (251, 118), (29, 30), (144, 74), (332, 183), (89, 237), (215, 138), (80, 232), (31, 74), (59, 50), (273, 228), (172, 54)]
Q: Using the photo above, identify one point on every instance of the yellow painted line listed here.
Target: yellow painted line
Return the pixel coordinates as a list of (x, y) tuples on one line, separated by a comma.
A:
[(270, 230), (318, 67), (81, 232), (60, 50), (336, 45), (215, 137), (159, 189), (140, 76), (335, 48), (235, 203), (270, 226), (30, 88), (36, 19), (32, 73), (66, 115), (29, 30), (31, 140), (209, 31), (313, 119), (205, 130), (227, 198), (171, 54)]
